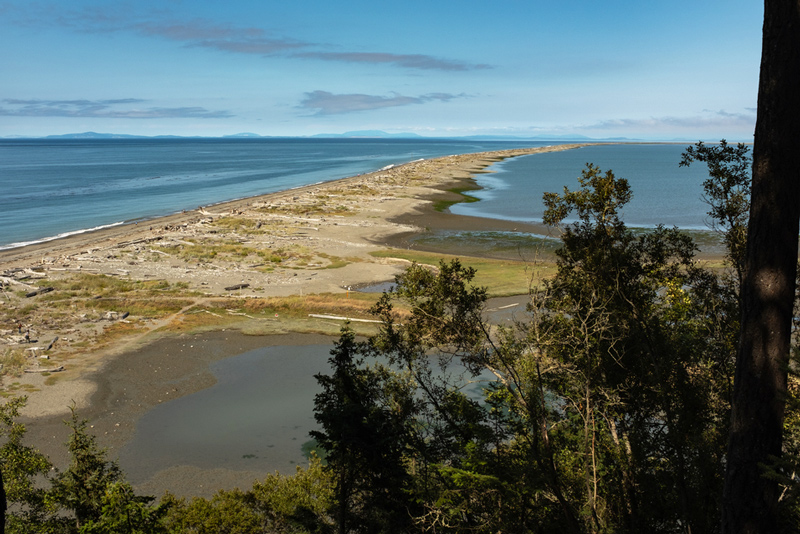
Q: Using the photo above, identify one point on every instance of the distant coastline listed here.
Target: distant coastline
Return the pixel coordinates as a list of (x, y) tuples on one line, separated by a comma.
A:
[(357, 134), (58, 187)]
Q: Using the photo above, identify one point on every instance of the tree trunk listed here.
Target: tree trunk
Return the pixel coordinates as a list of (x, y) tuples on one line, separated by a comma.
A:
[(750, 500)]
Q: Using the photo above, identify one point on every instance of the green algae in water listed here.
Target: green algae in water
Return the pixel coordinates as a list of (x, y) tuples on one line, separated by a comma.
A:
[(526, 246), (515, 245)]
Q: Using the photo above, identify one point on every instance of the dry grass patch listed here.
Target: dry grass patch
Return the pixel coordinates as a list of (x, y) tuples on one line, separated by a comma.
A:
[(239, 224), (322, 206), (355, 305), (202, 318), (136, 307), (87, 285), (13, 362)]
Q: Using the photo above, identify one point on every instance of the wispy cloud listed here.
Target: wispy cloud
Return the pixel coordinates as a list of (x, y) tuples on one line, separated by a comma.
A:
[(102, 109), (201, 33), (326, 103), (204, 33), (411, 61)]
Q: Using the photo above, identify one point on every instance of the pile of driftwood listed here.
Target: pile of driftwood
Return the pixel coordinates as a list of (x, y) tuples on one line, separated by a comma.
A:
[(20, 277)]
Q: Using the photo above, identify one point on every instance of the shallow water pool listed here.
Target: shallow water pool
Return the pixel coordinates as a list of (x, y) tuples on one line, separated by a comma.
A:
[(255, 418)]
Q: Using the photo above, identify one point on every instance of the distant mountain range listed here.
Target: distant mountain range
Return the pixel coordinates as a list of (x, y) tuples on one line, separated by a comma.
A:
[(369, 134), (358, 134)]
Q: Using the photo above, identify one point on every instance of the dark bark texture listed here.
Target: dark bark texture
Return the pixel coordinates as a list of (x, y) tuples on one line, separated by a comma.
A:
[(750, 501)]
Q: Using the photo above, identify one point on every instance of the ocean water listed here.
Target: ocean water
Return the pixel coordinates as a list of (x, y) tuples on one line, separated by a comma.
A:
[(57, 187), (663, 192)]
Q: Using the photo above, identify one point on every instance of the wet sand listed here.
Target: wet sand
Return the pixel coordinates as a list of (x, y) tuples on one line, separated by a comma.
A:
[(129, 385)]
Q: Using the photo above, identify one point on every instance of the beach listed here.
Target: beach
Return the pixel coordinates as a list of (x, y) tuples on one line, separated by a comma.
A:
[(110, 365)]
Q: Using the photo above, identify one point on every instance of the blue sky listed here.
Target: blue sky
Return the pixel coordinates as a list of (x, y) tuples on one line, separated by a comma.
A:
[(653, 70)]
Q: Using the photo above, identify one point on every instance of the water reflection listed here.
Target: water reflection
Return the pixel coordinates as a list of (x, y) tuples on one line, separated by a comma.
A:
[(256, 417)]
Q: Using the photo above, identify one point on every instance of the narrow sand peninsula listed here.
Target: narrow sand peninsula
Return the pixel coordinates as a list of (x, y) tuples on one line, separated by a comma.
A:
[(311, 240)]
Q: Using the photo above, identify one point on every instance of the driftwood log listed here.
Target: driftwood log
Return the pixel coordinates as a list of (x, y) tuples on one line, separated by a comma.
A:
[(40, 291), (48, 370), (237, 286)]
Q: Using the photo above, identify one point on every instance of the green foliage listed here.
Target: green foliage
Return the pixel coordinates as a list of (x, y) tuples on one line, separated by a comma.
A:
[(228, 512), (630, 330), (727, 192), (280, 504), (445, 310), (30, 507), (364, 415), (93, 497), (473, 472), (124, 512), (605, 408), (597, 203), (82, 488), (90, 497), (499, 277), (297, 503)]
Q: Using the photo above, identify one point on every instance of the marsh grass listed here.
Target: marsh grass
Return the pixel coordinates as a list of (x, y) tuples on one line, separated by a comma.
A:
[(506, 245), (94, 293), (279, 315), (463, 197), (15, 388), (500, 277), (202, 318), (354, 305), (335, 262)]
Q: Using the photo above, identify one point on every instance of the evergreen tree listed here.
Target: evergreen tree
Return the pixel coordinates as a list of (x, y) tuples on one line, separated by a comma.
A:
[(25, 476), (93, 489), (364, 413)]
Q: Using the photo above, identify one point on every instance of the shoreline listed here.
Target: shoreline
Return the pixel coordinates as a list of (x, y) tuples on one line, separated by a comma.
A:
[(345, 219), (113, 386), (463, 167), (128, 386)]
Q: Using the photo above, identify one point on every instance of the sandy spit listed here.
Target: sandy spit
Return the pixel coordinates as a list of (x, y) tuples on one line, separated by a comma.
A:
[(343, 219)]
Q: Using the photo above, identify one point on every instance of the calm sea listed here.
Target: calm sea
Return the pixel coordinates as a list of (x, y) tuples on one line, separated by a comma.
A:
[(57, 187), (663, 192)]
